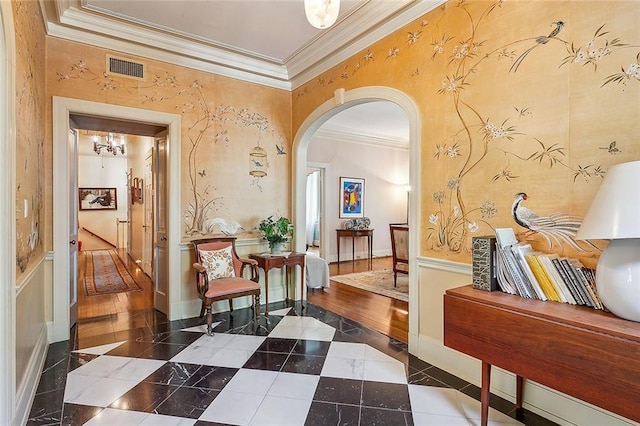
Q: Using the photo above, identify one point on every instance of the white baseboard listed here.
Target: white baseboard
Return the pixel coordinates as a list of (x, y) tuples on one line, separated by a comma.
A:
[(26, 390)]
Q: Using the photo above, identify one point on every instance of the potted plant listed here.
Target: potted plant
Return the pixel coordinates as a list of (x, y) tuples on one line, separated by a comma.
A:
[(277, 231)]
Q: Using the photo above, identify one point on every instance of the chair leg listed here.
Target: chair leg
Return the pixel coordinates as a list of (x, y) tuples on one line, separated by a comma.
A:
[(256, 306), (230, 305), (209, 320), (202, 308), (395, 278)]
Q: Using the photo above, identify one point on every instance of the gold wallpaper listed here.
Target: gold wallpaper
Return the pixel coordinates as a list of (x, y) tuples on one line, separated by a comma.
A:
[(535, 97), (30, 102), (236, 136)]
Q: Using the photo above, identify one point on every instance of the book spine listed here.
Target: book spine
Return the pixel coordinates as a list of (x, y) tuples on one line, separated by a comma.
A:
[(563, 274), (591, 279), (483, 257), (557, 280), (542, 278), (577, 283)]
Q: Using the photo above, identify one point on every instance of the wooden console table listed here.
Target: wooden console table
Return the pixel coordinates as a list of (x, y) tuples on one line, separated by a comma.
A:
[(589, 354), (268, 261), (354, 233)]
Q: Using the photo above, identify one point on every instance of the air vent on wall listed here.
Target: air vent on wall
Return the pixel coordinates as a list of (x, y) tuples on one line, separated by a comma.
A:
[(124, 67)]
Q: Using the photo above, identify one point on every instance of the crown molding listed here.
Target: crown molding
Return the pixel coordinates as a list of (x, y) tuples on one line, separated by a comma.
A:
[(344, 134), (307, 71)]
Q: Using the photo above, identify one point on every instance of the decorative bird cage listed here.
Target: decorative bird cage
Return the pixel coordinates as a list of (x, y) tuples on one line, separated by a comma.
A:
[(258, 162)]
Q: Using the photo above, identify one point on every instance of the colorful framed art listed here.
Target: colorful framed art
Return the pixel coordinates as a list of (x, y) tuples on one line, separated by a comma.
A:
[(351, 197)]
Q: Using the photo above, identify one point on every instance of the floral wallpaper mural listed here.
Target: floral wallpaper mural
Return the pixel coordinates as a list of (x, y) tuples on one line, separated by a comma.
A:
[(521, 102), (30, 52), (232, 153)]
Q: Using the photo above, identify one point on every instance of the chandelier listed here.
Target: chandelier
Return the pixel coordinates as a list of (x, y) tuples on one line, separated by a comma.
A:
[(322, 13), (109, 143)]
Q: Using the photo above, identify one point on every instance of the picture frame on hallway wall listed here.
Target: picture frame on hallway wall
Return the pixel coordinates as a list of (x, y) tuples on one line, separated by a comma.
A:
[(351, 197), (98, 198)]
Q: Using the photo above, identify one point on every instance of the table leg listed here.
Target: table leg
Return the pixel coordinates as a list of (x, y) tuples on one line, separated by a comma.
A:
[(519, 389), (266, 292), (484, 393), (353, 250), (301, 287), (370, 241), (286, 280), (338, 242)]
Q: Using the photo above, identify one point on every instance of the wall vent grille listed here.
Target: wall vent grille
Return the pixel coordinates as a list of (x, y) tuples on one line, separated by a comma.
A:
[(124, 67)]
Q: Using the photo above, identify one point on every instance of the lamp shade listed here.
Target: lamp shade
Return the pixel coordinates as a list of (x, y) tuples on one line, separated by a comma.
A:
[(322, 13), (615, 210)]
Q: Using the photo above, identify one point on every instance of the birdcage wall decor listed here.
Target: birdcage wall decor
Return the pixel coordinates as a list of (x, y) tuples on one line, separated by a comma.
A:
[(258, 162)]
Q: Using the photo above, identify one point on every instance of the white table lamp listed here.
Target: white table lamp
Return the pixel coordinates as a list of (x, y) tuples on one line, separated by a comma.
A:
[(614, 215)]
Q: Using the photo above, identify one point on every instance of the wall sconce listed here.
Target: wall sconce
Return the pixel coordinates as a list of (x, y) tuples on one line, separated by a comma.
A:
[(322, 13), (110, 144)]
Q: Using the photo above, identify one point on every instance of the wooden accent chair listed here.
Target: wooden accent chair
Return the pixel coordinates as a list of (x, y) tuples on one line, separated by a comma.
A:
[(219, 275), (399, 249)]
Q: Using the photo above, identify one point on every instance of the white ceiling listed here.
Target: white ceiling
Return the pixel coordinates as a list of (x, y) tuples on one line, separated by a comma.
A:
[(268, 42)]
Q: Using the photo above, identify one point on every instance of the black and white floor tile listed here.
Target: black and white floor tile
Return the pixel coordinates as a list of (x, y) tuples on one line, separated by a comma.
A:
[(316, 369)]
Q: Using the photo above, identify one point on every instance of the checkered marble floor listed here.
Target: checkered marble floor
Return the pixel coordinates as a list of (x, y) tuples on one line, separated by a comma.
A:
[(288, 370)]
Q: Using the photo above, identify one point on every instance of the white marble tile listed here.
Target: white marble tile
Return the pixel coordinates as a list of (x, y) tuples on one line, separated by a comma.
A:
[(434, 400), (219, 340), (160, 420), (281, 412), (98, 392), (373, 354), (347, 350), (119, 367), (383, 371), (280, 312), (294, 386), (110, 416), (100, 350), (344, 368), (235, 408), (195, 354), (225, 357), (472, 408), (317, 333), (251, 381), (248, 343), (424, 419), (287, 332)]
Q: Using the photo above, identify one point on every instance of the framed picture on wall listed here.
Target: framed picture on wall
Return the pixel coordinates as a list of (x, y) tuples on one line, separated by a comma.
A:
[(98, 198), (351, 197)]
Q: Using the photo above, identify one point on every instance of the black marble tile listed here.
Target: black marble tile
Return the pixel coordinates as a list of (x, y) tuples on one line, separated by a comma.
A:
[(422, 378), (179, 337), (266, 361), (211, 377), (274, 344), (392, 396), (172, 373), (47, 408), (304, 364), (417, 364), (326, 413), (57, 353), (162, 351), (75, 414), (144, 397), (312, 347), (131, 349), (203, 423), (55, 377), (187, 402), (381, 417), (78, 359), (343, 391), (446, 378)]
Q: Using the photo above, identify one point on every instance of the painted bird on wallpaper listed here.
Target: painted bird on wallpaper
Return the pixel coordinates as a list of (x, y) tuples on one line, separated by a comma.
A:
[(219, 224), (539, 41), (560, 228)]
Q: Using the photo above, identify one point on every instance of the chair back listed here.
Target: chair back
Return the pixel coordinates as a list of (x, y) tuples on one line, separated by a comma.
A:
[(399, 243), (217, 244)]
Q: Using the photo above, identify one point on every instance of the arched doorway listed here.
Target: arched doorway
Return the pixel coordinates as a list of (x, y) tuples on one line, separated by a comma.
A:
[(342, 101)]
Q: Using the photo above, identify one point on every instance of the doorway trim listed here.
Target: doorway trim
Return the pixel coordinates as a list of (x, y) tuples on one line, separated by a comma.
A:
[(7, 211), (62, 108), (343, 100)]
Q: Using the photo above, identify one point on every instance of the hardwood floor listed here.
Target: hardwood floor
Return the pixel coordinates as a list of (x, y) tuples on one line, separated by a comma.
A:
[(102, 305), (380, 313)]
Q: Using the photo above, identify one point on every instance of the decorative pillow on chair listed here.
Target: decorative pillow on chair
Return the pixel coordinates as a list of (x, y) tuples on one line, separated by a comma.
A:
[(219, 263)]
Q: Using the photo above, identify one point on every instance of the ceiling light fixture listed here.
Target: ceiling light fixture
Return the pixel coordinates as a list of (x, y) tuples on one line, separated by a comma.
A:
[(110, 144), (322, 13)]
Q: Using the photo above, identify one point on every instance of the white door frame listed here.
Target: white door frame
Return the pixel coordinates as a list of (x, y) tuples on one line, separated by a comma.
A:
[(341, 101), (62, 108), (324, 169), (7, 212)]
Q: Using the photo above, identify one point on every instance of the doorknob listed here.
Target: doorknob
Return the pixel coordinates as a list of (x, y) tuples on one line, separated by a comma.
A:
[(72, 242), (163, 238)]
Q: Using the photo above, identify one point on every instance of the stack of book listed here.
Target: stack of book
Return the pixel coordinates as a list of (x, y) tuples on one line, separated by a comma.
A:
[(534, 275)]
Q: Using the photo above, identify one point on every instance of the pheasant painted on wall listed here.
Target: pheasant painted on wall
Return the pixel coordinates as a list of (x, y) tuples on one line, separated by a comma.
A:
[(557, 228)]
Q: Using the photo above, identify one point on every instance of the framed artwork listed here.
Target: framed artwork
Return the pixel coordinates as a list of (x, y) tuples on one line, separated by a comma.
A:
[(351, 197), (98, 198), (136, 190)]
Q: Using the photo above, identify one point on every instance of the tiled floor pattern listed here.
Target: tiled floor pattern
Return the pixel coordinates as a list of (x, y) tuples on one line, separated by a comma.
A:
[(288, 370)]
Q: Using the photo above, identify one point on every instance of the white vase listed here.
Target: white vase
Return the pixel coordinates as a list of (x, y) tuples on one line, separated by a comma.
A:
[(276, 247)]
